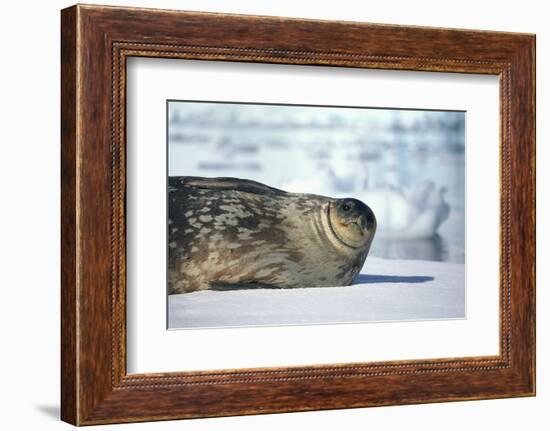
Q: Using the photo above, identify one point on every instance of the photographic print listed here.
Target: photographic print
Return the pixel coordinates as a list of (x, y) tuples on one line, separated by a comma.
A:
[(298, 214), (294, 225)]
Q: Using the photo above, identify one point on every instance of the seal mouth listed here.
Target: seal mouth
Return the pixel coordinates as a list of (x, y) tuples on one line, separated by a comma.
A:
[(361, 224)]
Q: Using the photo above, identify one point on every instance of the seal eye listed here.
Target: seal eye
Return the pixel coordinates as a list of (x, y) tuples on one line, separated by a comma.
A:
[(346, 207)]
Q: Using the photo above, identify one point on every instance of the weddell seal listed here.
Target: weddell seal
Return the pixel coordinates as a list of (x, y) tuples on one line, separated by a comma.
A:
[(230, 232)]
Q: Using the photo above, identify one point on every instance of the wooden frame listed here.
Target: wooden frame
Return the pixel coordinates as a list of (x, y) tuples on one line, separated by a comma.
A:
[(96, 41)]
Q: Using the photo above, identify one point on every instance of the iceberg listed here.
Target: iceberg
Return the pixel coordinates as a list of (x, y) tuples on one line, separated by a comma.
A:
[(408, 212)]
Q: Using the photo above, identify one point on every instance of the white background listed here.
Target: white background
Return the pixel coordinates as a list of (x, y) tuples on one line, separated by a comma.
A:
[(29, 231), (152, 349)]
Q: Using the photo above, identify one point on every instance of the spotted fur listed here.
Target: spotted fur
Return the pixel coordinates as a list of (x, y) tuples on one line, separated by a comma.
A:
[(227, 232)]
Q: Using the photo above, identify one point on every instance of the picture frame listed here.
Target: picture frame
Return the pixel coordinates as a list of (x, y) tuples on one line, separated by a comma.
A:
[(96, 42)]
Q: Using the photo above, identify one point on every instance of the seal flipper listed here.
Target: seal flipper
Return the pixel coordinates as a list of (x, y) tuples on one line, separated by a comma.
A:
[(225, 183), (241, 286)]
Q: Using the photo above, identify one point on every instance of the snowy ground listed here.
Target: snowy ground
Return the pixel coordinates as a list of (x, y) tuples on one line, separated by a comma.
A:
[(386, 290)]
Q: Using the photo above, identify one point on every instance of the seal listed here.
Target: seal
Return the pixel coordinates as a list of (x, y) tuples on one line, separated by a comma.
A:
[(228, 233)]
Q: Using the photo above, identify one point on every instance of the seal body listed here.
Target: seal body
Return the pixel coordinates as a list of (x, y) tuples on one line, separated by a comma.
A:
[(231, 233)]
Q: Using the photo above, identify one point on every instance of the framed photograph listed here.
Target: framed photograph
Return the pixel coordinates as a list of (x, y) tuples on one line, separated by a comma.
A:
[(264, 214)]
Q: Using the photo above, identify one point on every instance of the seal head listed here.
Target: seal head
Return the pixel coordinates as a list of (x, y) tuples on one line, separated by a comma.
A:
[(352, 222)]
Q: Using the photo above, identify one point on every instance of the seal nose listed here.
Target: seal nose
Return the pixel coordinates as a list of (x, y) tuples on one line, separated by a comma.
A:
[(367, 221), (362, 222)]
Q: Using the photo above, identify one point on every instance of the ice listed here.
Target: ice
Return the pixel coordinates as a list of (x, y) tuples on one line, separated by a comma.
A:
[(408, 212), (386, 290)]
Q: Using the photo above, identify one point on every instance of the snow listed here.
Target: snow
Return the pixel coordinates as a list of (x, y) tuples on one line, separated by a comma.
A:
[(386, 290)]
